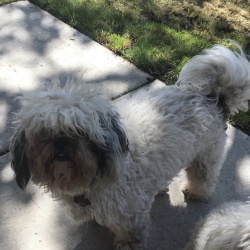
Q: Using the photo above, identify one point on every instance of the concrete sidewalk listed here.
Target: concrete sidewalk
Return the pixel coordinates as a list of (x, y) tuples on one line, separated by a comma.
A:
[(35, 47)]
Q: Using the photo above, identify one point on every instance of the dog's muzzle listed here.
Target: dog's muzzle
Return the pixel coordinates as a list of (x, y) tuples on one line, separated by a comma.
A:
[(61, 144)]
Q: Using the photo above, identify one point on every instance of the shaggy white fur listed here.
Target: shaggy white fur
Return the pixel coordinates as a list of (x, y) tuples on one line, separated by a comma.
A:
[(108, 163), (226, 228)]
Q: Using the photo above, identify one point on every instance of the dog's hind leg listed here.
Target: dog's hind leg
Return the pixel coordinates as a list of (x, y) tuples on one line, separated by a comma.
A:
[(203, 173)]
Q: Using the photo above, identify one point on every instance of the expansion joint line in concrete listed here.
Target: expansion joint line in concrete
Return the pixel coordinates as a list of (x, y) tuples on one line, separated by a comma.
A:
[(4, 152), (134, 89)]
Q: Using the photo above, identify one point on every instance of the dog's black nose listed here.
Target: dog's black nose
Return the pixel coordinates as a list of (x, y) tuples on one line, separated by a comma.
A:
[(61, 142)]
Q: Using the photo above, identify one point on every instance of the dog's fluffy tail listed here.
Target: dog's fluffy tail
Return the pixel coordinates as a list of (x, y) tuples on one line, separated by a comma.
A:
[(221, 73)]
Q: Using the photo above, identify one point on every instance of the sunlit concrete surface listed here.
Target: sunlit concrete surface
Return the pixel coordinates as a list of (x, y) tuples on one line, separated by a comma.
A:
[(36, 47)]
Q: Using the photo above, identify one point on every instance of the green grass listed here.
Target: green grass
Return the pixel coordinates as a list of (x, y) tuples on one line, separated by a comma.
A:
[(158, 36), (2, 2), (242, 121)]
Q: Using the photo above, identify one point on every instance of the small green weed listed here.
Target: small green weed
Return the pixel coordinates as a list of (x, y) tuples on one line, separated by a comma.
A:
[(2, 2), (242, 121)]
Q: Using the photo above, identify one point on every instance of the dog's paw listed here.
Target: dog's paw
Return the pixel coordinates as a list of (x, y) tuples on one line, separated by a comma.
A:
[(122, 246), (163, 192), (194, 194), (129, 246)]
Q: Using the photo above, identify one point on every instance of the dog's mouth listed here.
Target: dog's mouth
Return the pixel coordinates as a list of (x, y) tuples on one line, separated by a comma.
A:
[(60, 157)]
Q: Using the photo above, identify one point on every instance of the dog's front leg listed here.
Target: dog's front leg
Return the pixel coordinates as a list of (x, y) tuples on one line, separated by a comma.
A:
[(134, 236)]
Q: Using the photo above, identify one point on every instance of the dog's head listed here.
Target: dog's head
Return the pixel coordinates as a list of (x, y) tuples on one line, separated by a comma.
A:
[(66, 139)]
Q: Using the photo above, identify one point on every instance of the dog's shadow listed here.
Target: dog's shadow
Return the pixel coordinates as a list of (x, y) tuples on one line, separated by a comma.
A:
[(164, 218), (168, 229), (95, 237)]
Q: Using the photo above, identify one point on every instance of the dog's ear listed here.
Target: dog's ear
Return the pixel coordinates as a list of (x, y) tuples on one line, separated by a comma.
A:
[(19, 161), (120, 132), (114, 133), (115, 142)]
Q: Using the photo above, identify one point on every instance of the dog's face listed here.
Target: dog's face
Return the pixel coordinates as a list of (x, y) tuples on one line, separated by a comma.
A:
[(62, 162), (66, 140)]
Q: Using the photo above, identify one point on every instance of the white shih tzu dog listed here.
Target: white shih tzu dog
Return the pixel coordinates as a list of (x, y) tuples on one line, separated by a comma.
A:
[(226, 228), (109, 163)]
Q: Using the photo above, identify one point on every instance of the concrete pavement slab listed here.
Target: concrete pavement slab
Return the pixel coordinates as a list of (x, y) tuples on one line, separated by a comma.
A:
[(32, 220), (36, 48)]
